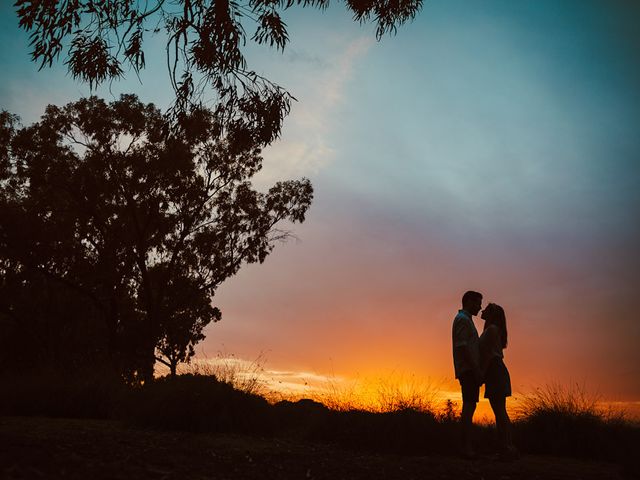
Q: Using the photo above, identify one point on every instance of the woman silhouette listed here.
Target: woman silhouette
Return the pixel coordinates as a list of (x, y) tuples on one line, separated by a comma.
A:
[(496, 376)]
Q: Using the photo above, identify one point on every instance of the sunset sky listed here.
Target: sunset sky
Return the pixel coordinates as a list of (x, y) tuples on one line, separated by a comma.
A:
[(489, 145)]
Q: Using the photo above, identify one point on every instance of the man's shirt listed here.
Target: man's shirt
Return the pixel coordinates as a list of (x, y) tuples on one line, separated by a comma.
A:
[(464, 333)]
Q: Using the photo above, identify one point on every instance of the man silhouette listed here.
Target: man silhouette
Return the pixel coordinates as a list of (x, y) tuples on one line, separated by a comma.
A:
[(466, 361)]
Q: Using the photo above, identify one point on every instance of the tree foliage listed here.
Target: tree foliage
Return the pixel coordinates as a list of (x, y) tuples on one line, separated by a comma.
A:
[(118, 225), (100, 203), (205, 40)]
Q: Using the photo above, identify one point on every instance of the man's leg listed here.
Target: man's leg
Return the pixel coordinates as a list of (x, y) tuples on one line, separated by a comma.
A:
[(466, 418), (470, 397)]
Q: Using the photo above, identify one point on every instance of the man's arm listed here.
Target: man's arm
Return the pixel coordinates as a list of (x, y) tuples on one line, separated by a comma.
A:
[(470, 358), (462, 335)]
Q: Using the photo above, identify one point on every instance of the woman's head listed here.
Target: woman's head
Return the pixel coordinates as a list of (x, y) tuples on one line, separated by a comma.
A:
[(493, 314)]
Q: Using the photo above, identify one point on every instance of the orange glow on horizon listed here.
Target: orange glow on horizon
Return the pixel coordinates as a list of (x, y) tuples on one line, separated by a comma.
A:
[(378, 392)]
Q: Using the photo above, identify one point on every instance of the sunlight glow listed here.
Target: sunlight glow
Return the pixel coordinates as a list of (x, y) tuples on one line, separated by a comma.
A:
[(377, 393)]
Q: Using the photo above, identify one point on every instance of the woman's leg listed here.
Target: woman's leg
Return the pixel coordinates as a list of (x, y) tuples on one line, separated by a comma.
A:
[(503, 423)]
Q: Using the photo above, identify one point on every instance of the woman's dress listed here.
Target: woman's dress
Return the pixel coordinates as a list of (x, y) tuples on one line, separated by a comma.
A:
[(496, 377)]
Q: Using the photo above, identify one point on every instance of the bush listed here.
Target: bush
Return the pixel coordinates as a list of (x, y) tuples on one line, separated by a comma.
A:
[(197, 403), (403, 431), (555, 419), (561, 420), (300, 419)]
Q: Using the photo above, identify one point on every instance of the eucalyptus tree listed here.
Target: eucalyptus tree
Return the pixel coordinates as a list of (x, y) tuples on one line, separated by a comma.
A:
[(142, 216), (145, 224), (204, 45)]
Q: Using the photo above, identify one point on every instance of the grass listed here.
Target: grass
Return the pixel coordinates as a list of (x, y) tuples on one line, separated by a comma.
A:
[(383, 394), (403, 418), (572, 400), (568, 420), (405, 392), (243, 375)]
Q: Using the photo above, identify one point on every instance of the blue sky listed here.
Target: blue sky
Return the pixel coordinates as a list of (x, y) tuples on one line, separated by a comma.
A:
[(491, 145)]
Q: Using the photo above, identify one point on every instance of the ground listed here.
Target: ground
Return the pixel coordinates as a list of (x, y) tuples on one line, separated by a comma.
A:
[(34, 448)]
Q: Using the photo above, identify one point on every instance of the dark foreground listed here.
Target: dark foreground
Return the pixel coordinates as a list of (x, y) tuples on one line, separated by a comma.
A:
[(33, 448)]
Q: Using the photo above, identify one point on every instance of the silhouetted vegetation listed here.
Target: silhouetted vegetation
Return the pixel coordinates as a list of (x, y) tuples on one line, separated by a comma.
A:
[(202, 403), (197, 403), (566, 420), (204, 46), (117, 222), (593, 434), (117, 227), (116, 232)]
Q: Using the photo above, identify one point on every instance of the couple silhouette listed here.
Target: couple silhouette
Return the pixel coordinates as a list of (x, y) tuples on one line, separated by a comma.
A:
[(479, 360)]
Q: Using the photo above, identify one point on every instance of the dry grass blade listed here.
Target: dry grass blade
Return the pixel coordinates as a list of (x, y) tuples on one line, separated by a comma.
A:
[(556, 398), (246, 376)]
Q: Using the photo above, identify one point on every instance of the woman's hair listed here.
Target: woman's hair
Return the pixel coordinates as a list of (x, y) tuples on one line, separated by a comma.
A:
[(498, 318)]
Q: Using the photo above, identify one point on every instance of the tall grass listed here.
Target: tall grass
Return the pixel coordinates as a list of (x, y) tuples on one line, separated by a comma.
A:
[(390, 393), (562, 419), (245, 376), (573, 400), (398, 392), (394, 413)]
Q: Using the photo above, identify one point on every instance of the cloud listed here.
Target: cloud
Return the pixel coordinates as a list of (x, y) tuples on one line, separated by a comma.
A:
[(305, 147), (304, 57)]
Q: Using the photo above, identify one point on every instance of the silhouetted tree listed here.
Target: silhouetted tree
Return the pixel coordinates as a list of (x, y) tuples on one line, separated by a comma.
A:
[(140, 217), (45, 325), (204, 44), (144, 224), (185, 313)]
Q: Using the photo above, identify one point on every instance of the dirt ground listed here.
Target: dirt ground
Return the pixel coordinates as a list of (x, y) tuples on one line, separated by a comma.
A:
[(35, 448)]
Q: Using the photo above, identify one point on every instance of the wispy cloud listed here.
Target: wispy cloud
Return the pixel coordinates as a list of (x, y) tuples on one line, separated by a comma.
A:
[(303, 57), (306, 147)]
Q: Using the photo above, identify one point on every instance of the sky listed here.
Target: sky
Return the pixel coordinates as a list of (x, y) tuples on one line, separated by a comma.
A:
[(489, 145)]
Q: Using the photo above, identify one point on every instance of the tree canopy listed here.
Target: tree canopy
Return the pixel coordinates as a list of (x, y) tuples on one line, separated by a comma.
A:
[(99, 204), (205, 40), (118, 225)]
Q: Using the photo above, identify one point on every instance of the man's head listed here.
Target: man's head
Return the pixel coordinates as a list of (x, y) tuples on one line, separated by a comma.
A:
[(472, 302)]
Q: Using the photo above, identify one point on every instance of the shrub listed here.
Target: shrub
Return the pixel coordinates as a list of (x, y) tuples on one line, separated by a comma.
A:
[(566, 420), (197, 403), (301, 418), (403, 431), (243, 375)]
